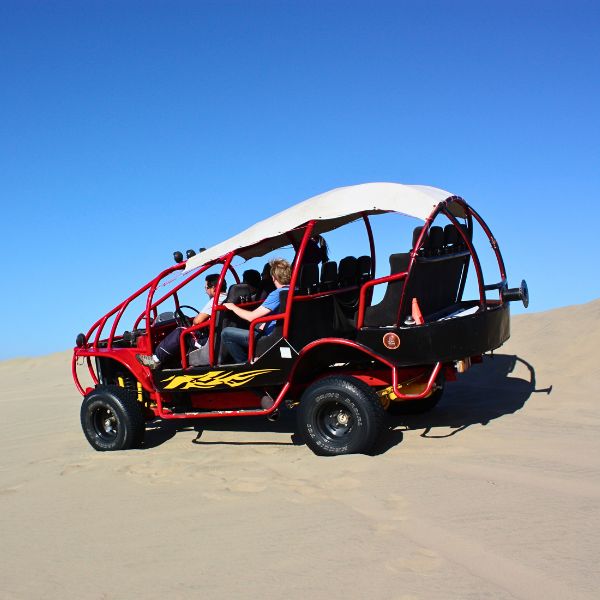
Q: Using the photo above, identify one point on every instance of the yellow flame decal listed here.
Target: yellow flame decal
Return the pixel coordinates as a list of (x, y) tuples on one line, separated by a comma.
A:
[(212, 379)]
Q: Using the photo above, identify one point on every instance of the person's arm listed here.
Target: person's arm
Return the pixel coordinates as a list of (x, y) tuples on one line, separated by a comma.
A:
[(200, 318), (247, 315)]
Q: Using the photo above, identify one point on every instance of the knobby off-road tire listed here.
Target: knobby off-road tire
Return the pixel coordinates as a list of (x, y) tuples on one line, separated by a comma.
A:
[(112, 419), (417, 407), (340, 415)]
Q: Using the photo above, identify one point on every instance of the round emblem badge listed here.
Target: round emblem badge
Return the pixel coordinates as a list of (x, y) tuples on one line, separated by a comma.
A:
[(391, 341)]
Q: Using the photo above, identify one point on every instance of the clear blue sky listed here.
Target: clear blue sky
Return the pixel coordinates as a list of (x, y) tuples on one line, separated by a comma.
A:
[(129, 129)]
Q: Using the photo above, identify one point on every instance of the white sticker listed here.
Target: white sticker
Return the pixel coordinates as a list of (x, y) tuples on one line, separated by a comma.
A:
[(285, 352)]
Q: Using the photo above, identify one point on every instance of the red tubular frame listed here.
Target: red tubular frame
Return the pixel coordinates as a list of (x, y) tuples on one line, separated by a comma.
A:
[(371, 243), (295, 274), (363, 293), (251, 337), (226, 413), (430, 383), (344, 342)]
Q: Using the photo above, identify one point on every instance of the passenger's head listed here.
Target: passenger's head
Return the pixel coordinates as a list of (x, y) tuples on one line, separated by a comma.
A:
[(211, 284), (281, 271)]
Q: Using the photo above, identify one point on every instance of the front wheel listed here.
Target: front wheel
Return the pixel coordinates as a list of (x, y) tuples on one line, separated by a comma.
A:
[(112, 419), (340, 415)]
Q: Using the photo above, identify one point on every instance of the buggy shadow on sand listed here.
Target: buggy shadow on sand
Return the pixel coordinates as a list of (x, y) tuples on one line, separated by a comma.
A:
[(480, 396), (335, 356)]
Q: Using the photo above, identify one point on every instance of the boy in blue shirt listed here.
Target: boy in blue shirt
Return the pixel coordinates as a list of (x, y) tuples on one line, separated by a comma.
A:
[(236, 339)]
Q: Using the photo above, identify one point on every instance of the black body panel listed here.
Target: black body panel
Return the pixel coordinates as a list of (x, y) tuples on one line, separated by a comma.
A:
[(442, 341)]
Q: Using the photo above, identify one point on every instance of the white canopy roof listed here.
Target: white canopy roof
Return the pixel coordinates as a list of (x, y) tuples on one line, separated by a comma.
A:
[(330, 210)]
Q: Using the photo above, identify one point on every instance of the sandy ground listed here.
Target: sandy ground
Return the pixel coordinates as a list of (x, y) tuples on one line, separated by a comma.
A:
[(494, 494)]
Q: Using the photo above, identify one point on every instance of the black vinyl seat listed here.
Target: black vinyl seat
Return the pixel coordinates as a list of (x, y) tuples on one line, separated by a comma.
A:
[(263, 343), (348, 278), (266, 285), (237, 293), (348, 272), (386, 311), (364, 268), (435, 241), (329, 276), (451, 239), (309, 278), (252, 278), (416, 234)]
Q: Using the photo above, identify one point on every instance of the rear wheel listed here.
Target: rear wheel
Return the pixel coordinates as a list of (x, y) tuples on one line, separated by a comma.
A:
[(340, 415), (112, 419)]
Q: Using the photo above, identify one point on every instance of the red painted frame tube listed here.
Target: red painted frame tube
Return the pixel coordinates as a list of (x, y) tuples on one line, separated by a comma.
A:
[(344, 342), (225, 413), (174, 291), (371, 243), (74, 374), (362, 303), (99, 324), (473, 253), (187, 331), (430, 383), (413, 257), (216, 308), (294, 279), (251, 337), (493, 241)]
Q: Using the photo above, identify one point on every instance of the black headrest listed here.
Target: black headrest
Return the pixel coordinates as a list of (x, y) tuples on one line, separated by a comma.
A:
[(309, 276), (436, 240), (252, 278), (416, 234), (329, 272), (364, 266), (450, 235), (348, 271), (239, 292), (399, 262)]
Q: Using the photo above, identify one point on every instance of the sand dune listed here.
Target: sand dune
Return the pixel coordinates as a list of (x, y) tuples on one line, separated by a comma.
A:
[(494, 494)]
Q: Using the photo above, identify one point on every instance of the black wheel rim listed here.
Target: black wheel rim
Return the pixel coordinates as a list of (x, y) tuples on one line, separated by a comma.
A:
[(105, 424), (334, 421)]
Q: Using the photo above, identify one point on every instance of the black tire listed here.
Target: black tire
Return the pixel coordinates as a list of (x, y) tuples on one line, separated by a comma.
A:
[(112, 419), (340, 415), (416, 407)]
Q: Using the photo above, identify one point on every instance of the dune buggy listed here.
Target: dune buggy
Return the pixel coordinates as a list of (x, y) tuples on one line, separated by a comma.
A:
[(338, 355)]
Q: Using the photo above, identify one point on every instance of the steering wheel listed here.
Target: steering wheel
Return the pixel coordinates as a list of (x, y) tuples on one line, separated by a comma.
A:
[(181, 318)]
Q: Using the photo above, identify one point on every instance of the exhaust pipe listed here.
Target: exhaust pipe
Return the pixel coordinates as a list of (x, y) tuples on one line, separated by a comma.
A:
[(520, 293)]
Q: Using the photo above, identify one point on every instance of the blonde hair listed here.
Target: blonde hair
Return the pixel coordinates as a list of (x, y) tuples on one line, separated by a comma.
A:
[(281, 270)]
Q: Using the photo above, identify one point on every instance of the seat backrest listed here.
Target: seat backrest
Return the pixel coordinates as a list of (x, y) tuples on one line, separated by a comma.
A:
[(237, 293), (252, 278), (435, 241), (266, 284), (348, 272), (435, 283), (364, 268), (312, 320), (264, 343), (416, 234), (309, 278), (451, 238), (386, 311), (329, 276)]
